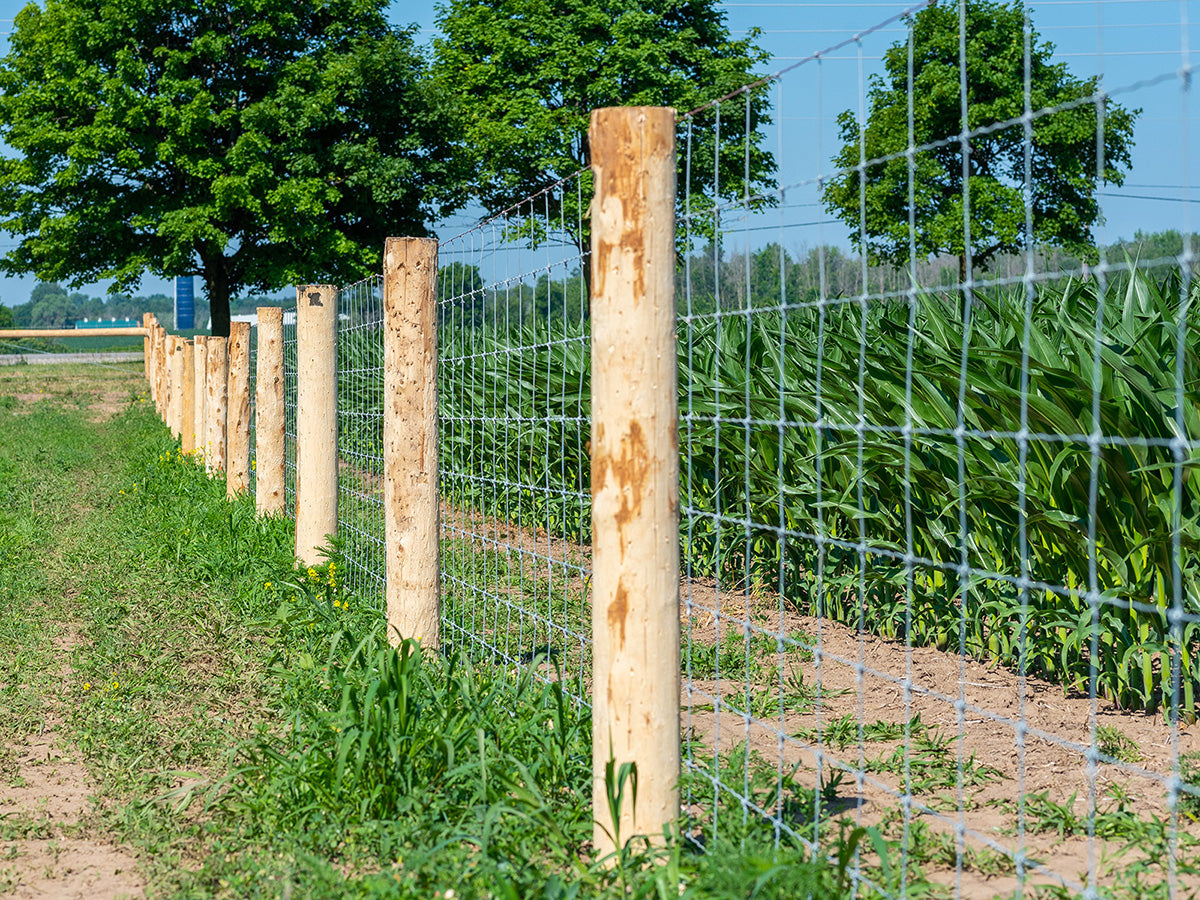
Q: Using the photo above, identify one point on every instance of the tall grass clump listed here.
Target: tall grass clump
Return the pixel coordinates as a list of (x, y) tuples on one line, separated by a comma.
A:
[(820, 460)]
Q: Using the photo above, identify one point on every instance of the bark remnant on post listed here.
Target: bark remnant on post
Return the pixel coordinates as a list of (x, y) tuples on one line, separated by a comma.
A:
[(635, 471)]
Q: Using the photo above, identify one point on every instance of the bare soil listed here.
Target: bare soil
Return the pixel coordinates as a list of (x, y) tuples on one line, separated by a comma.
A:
[(42, 805)]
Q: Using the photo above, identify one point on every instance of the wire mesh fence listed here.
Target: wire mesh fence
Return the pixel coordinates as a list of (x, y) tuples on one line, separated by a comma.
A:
[(937, 520), (513, 410), (937, 524), (289, 411), (360, 437)]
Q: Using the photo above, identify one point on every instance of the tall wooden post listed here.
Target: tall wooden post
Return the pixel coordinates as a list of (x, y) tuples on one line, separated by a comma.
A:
[(187, 417), (215, 404), (160, 363), (237, 478), (200, 358), (635, 470), (174, 374), (152, 371), (316, 419), (410, 450), (146, 367), (268, 411)]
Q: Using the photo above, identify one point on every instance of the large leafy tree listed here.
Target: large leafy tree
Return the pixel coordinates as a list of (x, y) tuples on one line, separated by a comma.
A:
[(1063, 162), (528, 73), (254, 143)]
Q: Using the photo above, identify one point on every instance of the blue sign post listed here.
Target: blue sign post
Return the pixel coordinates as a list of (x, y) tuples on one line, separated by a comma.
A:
[(185, 303)]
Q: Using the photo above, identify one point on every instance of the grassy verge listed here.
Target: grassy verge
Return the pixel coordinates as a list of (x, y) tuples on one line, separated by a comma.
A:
[(249, 731)]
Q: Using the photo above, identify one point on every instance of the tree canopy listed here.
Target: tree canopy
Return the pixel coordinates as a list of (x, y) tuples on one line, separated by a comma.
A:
[(254, 143), (527, 73), (1063, 165)]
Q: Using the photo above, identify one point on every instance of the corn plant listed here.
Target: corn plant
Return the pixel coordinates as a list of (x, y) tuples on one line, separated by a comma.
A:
[(838, 455)]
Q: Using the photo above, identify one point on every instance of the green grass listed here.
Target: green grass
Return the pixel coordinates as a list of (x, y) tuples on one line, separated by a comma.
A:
[(247, 729), (250, 734)]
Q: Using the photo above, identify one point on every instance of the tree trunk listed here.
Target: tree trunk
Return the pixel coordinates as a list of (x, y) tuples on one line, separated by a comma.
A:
[(216, 289), (585, 271)]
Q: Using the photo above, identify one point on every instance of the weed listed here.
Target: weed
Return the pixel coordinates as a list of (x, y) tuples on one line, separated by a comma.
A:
[(1189, 772), (930, 765), (1111, 741)]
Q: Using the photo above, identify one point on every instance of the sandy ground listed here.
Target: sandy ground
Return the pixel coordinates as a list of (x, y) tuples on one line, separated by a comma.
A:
[(45, 801)]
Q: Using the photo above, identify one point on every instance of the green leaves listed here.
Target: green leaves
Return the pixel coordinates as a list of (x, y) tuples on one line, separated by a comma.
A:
[(526, 74), (1061, 137), (252, 142)]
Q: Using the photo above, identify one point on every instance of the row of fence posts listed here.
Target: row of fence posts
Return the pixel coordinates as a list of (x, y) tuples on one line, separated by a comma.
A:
[(201, 388)]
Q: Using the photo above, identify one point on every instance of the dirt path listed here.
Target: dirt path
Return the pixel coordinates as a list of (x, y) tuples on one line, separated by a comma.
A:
[(44, 853)]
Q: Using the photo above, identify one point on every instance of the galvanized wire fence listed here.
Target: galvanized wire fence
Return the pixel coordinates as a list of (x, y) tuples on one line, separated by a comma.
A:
[(937, 521), (360, 437), (938, 535), (513, 437), (289, 411)]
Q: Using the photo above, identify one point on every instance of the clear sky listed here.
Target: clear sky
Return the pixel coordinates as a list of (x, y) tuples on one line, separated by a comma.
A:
[(1137, 46)]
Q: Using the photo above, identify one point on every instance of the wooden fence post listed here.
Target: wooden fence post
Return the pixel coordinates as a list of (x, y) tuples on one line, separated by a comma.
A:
[(152, 371), (215, 404), (174, 375), (268, 411), (187, 418), (316, 419), (410, 449), (160, 352), (200, 358), (635, 470), (146, 361), (237, 456)]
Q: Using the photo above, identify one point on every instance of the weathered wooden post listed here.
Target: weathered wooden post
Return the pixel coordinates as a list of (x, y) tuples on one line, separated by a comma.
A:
[(200, 357), (152, 371), (160, 362), (410, 450), (147, 366), (174, 375), (187, 420), (268, 411), (635, 470), (215, 404), (316, 419), (237, 457)]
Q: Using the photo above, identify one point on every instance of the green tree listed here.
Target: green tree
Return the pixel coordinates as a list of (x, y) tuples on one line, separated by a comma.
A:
[(52, 308), (6, 317), (528, 73), (1062, 144), (254, 143), (45, 289)]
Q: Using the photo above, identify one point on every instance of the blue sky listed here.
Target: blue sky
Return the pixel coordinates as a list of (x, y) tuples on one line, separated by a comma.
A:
[(1137, 46)]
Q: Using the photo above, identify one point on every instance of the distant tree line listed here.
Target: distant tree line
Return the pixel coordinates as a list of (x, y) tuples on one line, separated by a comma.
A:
[(771, 276), (51, 306)]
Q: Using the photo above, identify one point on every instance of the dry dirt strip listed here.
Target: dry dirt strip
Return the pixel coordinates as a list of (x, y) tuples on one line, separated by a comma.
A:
[(41, 808)]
